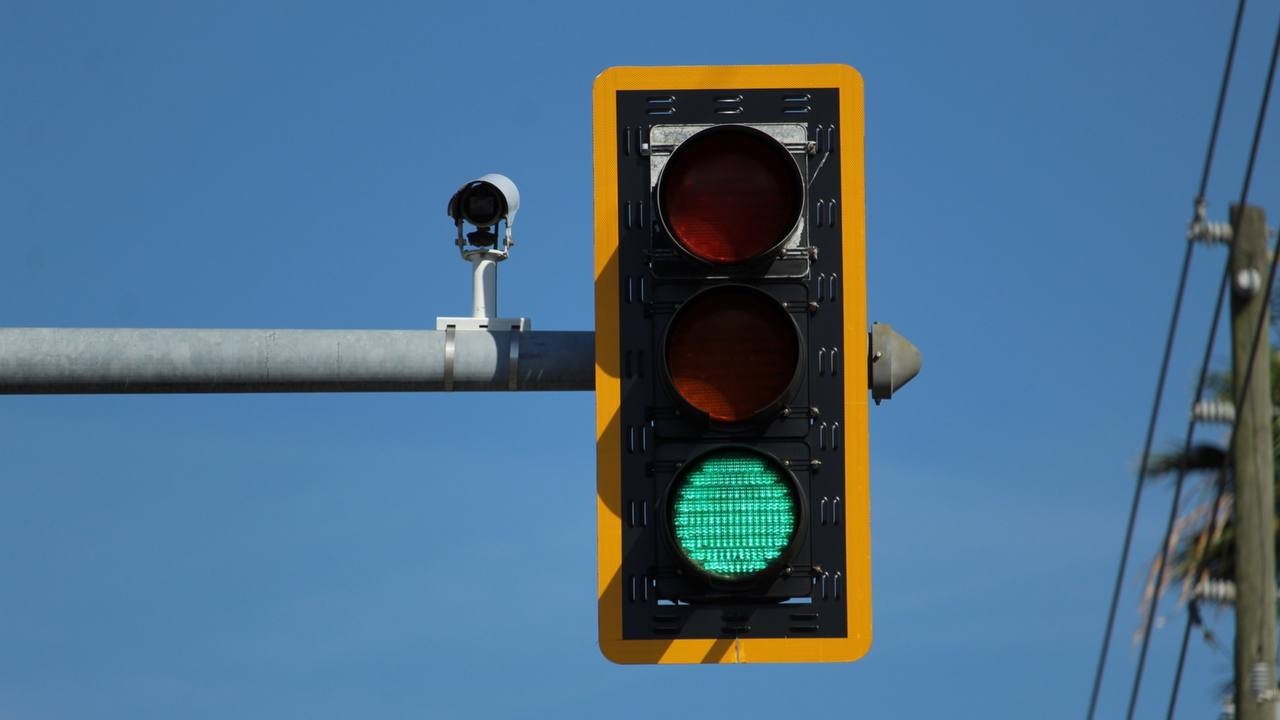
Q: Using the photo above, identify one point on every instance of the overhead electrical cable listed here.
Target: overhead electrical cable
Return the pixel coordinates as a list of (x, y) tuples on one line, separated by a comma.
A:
[(1164, 364), (1253, 350)]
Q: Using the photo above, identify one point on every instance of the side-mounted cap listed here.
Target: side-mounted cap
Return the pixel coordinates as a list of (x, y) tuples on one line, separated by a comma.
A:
[(892, 361)]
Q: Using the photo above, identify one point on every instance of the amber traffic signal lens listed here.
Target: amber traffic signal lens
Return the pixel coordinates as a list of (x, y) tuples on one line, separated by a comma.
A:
[(732, 352), (730, 194)]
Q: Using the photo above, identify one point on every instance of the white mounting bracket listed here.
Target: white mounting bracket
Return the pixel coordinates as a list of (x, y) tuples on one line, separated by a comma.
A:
[(489, 324), (484, 297)]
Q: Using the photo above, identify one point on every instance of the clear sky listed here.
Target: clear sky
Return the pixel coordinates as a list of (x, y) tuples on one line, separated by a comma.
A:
[(1030, 174)]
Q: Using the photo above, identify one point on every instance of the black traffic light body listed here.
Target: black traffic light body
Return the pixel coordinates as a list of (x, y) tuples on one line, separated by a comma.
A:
[(730, 317)]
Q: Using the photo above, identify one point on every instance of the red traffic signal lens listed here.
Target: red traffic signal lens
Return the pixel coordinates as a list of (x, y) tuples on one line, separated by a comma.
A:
[(732, 352), (730, 194)]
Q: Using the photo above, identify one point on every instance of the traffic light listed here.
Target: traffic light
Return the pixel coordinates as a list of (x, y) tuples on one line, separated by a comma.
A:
[(731, 365)]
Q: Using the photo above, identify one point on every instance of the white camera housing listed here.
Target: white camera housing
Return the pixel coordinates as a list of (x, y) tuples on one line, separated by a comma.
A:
[(486, 201)]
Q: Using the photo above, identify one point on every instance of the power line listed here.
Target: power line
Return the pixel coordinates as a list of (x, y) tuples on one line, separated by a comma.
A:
[(1164, 366), (1177, 494), (1193, 612), (1222, 100), (1257, 339)]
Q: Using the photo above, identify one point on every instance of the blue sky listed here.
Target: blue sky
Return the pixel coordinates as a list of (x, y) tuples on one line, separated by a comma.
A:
[(1030, 173)]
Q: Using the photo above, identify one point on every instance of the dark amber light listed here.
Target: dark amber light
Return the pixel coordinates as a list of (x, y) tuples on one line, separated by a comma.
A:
[(732, 352), (730, 194)]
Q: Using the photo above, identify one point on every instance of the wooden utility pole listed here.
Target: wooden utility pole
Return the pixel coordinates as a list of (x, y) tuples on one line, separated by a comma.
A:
[(1252, 462)]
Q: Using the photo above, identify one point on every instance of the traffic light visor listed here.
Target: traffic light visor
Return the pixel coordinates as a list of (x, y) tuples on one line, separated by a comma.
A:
[(730, 194), (734, 512), (732, 352)]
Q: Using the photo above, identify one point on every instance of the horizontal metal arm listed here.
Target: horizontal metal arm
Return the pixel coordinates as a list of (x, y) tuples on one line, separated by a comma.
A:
[(136, 360)]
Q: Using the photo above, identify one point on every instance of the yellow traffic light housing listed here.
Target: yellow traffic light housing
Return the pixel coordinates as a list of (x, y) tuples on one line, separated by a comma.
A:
[(731, 365)]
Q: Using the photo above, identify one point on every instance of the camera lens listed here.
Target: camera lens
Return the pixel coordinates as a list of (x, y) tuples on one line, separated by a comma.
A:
[(482, 205)]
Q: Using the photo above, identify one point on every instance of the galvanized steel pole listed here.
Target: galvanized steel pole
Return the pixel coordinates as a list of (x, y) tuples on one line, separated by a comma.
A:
[(135, 360)]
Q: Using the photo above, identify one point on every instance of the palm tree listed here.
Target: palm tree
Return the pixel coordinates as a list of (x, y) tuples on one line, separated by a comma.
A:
[(1201, 543), (1201, 547)]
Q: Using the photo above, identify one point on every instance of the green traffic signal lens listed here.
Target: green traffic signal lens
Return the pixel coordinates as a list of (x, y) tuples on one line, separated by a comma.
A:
[(734, 512)]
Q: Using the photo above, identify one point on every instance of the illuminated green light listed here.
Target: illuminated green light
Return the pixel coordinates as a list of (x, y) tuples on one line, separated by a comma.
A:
[(734, 513)]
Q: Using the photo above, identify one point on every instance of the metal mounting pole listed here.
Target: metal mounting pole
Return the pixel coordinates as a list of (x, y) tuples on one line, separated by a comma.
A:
[(127, 360)]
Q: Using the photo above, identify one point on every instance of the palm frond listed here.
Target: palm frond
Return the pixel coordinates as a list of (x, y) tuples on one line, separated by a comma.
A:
[(1204, 457)]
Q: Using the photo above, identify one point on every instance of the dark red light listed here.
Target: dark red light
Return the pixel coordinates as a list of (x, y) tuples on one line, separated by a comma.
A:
[(732, 352), (730, 194)]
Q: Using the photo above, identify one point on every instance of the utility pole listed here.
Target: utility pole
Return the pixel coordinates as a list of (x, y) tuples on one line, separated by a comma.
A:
[(1253, 464)]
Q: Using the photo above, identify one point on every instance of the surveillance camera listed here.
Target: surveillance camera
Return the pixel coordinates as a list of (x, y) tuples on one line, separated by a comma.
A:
[(486, 201)]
